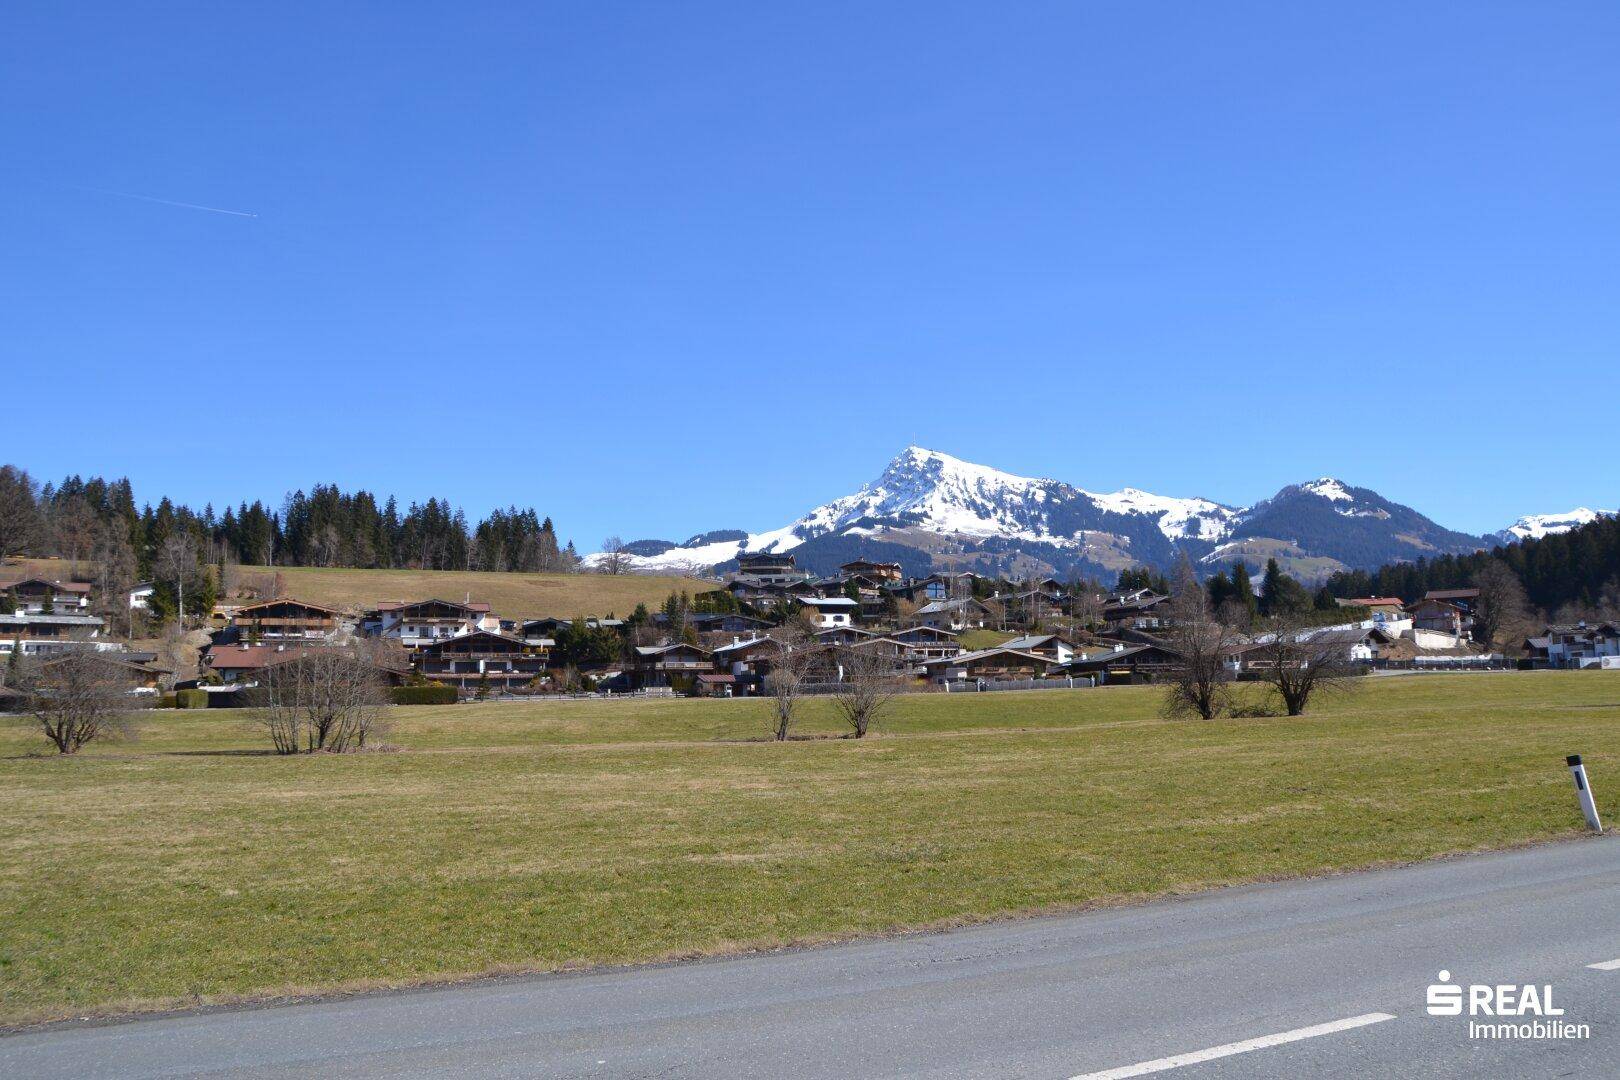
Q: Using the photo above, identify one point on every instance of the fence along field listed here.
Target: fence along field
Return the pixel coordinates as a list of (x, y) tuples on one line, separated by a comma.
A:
[(192, 866)]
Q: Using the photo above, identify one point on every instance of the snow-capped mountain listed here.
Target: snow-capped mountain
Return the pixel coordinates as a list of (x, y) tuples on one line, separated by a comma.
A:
[(1535, 526), (929, 510), (945, 509)]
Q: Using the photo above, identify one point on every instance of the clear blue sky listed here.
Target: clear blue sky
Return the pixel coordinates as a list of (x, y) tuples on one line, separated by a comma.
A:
[(656, 268)]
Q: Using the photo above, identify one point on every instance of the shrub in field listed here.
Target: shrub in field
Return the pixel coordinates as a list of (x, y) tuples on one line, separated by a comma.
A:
[(191, 699), (432, 694)]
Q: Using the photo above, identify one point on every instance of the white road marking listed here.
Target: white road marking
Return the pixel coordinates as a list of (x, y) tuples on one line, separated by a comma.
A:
[(1607, 965), (1196, 1056)]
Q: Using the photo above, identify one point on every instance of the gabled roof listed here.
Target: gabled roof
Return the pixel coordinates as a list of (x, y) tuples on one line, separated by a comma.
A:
[(982, 654), (923, 631), (660, 650), (8, 619), (940, 606), (1605, 629), (472, 608), (1036, 641), (63, 586), (751, 643), (1451, 594), (241, 611), (829, 601), (250, 657), (475, 635)]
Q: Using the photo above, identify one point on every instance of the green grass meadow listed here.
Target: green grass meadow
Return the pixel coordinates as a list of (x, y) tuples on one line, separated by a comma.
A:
[(190, 866)]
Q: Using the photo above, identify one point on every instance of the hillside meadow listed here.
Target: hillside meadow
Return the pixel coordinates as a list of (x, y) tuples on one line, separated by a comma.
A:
[(190, 866), (530, 596)]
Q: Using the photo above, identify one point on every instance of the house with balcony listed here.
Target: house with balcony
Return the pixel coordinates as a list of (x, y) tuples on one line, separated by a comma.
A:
[(877, 572), (37, 635), (990, 665), (37, 596), (1142, 609), (1583, 645), (675, 666), (775, 568), (424, 622), (927, 643), (1052, 646), (284, 620), (481, 658), (952, 615), (243, 662)]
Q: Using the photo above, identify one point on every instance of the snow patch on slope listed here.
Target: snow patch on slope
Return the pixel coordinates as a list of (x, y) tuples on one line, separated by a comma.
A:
[(1179, 519), (1535, 526), (1328, 488)]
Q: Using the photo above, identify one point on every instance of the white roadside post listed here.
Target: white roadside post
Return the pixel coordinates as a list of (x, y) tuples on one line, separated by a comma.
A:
[(1583, 792)]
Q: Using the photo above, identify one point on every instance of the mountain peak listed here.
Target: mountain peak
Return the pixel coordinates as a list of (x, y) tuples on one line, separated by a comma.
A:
[(1536, 526), (1329, 488), (932, 510)]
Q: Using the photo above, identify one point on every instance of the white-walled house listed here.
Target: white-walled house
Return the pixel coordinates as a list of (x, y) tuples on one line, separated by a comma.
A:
[(34, 635), (140, 597), (832, 611), (424, 622), (36, 596), (1582, 645)]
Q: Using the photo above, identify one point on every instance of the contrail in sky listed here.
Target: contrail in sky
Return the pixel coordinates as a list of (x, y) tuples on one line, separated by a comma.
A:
[(170, 202)]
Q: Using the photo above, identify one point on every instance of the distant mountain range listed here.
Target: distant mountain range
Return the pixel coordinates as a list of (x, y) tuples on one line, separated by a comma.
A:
[(929, 511)]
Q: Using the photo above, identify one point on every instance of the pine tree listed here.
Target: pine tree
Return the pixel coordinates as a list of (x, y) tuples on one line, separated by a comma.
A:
[(1243, 589)]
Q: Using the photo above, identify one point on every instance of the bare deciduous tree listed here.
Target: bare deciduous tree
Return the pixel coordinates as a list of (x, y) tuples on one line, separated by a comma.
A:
[(790, 668), (79, 697), (869, 684), (322, 700), (115, 574), (19, 510), (615, 560), (1085, 605), (1503, 614), (1300, 661), (1200, 683), (176, 564)]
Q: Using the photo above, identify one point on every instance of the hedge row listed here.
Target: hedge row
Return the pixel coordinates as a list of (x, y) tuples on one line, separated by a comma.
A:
[(191, 699), (424, 695)]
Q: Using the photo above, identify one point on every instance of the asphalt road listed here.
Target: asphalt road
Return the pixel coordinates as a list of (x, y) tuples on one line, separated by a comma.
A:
[(1337, 968)]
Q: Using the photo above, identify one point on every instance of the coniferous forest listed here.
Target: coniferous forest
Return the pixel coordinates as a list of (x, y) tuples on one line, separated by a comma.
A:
[(1576, 572), (99, 521)]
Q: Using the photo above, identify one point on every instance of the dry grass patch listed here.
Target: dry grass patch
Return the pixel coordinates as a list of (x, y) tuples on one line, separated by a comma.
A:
[(185, 868)]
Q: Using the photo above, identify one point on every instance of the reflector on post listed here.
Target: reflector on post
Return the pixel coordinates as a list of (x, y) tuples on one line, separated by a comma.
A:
[(1583, 792)]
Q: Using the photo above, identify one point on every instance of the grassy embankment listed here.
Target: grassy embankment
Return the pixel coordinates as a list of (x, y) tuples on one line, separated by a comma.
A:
[(191, 867), (530, 596)]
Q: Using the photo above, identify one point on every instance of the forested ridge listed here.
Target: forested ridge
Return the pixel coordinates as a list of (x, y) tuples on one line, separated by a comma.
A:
[(98, 521), (1573, 573)]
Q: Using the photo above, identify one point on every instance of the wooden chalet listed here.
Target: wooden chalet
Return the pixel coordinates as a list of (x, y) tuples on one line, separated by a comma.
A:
[(284, 619), (990, 664), (34, 635), (927, 643), (716, 622), (37, 596), (243, 661), (1054, 647), (481, 658), (422, 622), (953, 615), (1143, 609), (876, 572), (1127, 662), (673, 666)]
